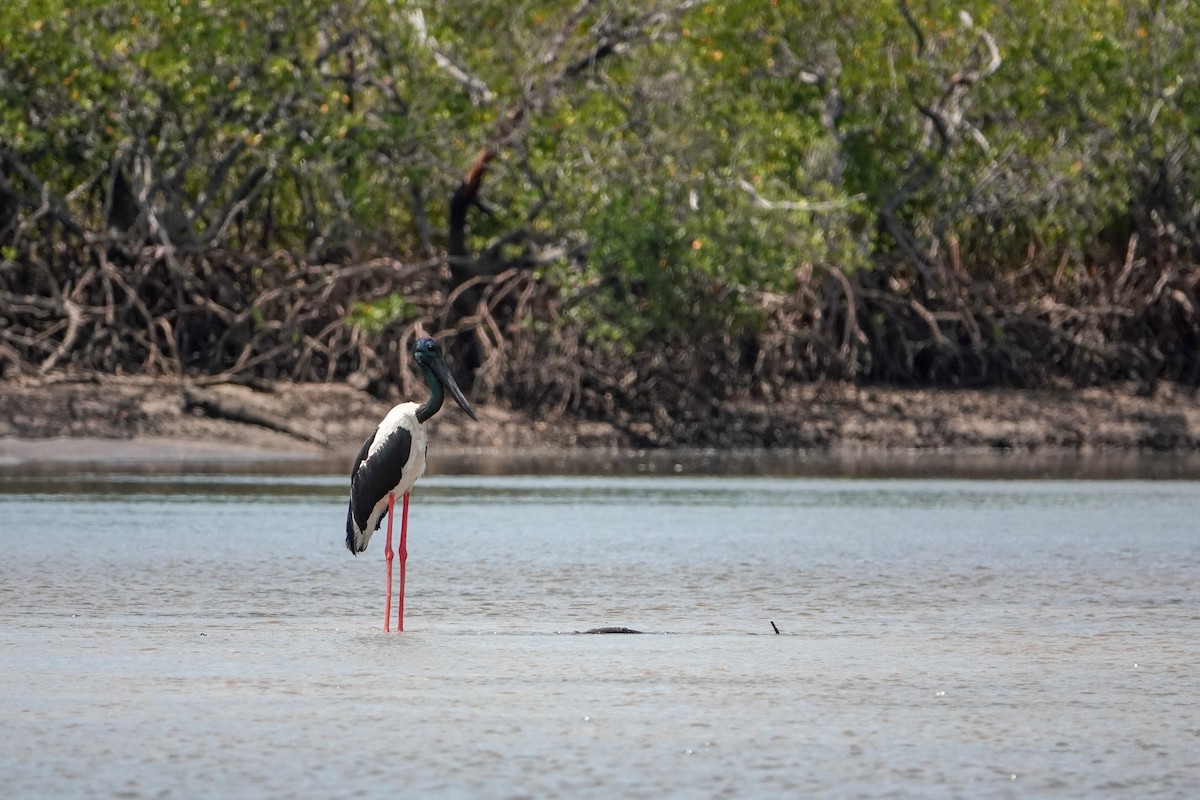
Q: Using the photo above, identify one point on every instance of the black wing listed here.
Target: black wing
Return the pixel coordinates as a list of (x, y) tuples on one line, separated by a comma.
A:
[(362, 454), (371, 480)]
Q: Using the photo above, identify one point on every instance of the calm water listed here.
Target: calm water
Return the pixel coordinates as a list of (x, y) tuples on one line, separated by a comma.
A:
[(209, 636)]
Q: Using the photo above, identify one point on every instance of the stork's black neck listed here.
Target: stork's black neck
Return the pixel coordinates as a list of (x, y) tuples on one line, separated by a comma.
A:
[(436, 395)]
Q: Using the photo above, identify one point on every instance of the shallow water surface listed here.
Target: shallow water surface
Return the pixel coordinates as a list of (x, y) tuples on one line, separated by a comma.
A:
[(209, 636)]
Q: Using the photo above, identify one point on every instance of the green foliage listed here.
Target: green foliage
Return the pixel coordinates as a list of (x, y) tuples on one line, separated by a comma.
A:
[(375, 316), (708, 160), (308, 121)]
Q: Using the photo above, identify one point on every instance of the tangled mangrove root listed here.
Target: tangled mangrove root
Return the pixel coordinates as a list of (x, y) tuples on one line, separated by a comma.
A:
[(217, 316)]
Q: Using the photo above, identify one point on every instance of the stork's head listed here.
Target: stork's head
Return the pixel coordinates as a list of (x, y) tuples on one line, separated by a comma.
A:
[(426, 350)]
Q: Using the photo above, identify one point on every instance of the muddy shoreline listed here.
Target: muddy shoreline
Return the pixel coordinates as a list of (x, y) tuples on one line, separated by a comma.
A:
[(111, 418)]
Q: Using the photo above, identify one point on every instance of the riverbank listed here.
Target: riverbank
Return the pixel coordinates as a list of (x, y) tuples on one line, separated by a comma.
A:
[(132, 417), (102, 418)]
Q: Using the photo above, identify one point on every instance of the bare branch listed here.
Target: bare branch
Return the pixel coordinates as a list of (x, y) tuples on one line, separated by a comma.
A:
[(906, 12), (479, 91), (786, 205), (51, 202)]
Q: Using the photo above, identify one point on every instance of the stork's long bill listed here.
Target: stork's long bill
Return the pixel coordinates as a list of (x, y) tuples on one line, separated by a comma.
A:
[(443, 373)]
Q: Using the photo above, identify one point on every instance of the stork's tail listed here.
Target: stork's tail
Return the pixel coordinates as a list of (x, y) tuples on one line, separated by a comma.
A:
[(356, 539)]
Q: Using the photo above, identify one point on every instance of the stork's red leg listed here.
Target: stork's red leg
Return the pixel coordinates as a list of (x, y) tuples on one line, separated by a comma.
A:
[(403, 560), (387, 555)]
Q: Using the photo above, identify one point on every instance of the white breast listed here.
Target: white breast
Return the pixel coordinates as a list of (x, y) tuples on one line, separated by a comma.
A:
[(405, 416)]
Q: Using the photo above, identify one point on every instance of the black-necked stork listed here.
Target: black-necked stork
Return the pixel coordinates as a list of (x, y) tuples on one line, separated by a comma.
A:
[(391, 460)]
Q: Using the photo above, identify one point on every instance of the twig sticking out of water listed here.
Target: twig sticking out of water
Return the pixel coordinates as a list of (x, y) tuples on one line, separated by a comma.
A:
[(773, 625)]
